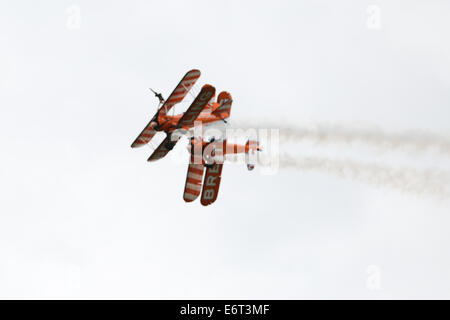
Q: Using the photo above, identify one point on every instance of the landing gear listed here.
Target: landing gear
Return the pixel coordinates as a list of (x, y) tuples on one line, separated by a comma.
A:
[(172, 140), (209, 161), (169, 145)]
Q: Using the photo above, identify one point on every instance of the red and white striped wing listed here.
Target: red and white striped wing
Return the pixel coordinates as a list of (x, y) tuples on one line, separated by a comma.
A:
[(193, 182), (145, 136), (162, 149), (180, 91), (211, 184), (175, 97), (225, 101), (199, 103)]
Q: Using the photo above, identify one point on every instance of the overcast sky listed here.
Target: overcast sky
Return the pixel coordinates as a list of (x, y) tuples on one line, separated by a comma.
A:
[(82, 215)]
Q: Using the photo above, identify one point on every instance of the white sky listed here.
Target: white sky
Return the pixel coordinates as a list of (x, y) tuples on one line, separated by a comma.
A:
[(84, 216)]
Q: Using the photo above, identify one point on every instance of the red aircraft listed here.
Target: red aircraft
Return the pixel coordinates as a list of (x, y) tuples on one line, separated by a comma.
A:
[(203, 154), (202, 109), (211, 155)]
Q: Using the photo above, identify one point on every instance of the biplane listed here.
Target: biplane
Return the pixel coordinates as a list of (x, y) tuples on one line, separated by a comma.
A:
[(202, 109), (211, 155)]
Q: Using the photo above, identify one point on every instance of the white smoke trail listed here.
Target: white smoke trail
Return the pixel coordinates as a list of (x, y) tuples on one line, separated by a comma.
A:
[(412, 141), (428, 181)]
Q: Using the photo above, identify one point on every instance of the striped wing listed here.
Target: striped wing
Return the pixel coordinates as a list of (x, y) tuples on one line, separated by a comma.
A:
[(145, 136), (197, 105), (179, 92), (193, 182), (162, 149), (225, 102), (211, 184), (175, 97)]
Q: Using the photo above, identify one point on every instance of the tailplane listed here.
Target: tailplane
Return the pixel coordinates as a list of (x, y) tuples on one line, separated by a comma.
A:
[(252, 145)]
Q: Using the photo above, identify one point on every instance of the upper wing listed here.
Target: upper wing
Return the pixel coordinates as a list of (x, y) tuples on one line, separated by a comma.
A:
[(175, 97), (180, 91), (211, 184), (193, 184), (224, 109), (197, 106), (164, 148)]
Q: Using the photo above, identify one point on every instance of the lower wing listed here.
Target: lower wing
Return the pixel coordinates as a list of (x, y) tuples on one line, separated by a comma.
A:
[(211, 184), (164, 148)]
